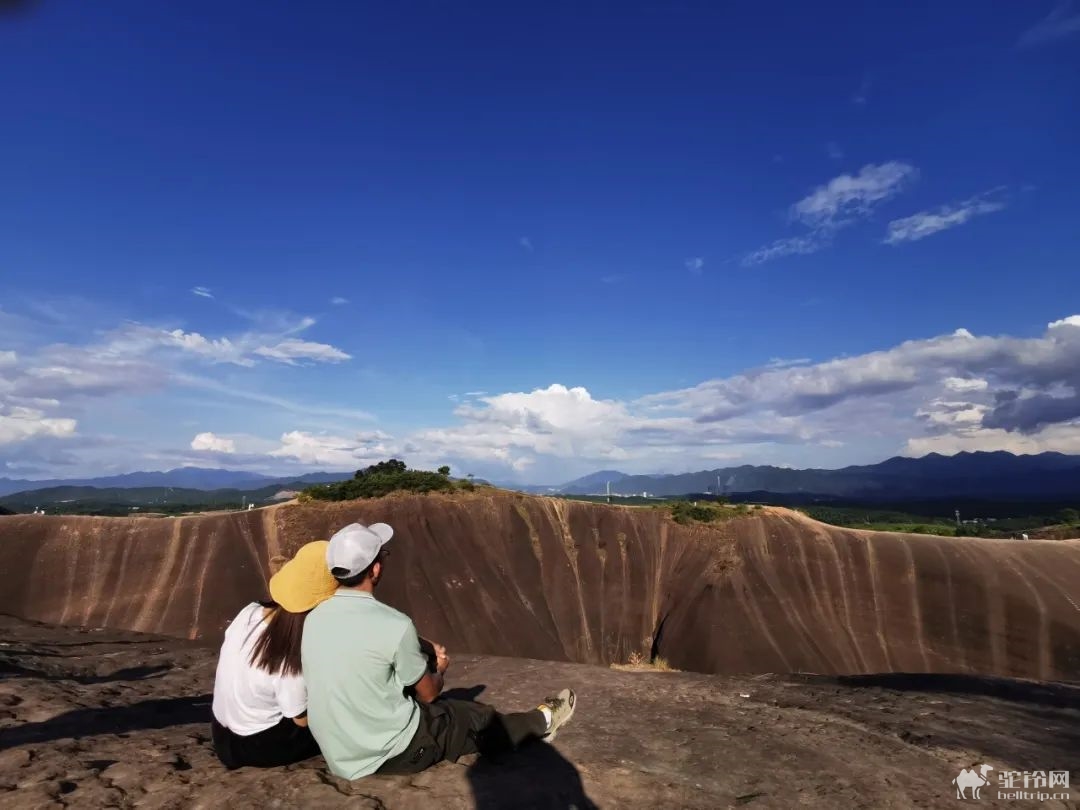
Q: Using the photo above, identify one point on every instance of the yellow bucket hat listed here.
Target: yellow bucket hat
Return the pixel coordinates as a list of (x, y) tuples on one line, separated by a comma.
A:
[(304, 581)]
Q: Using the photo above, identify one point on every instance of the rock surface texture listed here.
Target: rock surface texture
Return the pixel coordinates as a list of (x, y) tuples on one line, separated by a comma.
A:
[(103, 718), (503, 574)]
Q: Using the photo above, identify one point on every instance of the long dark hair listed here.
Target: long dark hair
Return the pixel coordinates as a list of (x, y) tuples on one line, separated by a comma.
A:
[(278, 648)]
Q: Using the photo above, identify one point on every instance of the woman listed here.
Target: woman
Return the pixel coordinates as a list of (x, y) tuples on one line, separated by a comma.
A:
[(260, 701)]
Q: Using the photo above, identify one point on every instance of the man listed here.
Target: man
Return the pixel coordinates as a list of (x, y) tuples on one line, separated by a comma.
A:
[(372, 700)]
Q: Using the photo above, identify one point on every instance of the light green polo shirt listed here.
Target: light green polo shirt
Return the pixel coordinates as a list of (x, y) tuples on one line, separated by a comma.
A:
[(358, 655)]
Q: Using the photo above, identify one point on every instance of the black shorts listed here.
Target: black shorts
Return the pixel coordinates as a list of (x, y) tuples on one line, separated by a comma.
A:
[(278, 745)]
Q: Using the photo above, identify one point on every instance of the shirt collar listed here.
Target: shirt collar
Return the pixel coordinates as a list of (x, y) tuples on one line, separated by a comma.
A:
[(351, 593)]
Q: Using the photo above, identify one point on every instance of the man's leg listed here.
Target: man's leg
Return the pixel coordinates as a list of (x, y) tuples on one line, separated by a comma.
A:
[(422, 752), (450, 729)]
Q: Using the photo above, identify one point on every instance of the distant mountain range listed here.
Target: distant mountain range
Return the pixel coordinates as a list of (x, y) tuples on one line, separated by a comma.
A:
[(969, 475), (1046, 476), (180, 478)]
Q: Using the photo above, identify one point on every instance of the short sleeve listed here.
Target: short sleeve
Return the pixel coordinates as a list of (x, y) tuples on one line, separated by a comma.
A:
[(409, 663), (291, 695)]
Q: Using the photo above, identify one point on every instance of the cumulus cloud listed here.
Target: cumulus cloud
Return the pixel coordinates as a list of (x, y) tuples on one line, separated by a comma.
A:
[(926, 223), (1059, 24), (1072, 320), (842, 201), (336, 452), (213, 443), (338, 301), (202, 292), (832, 148), (957, 390), (8, 359), (292, 350), (17, 424), (526, 243), (695, 265)]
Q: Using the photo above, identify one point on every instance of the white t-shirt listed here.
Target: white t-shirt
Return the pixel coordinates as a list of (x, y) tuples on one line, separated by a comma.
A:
[(248, 700)]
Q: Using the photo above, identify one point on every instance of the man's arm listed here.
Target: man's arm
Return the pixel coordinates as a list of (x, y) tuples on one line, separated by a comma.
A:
[(431, 685)]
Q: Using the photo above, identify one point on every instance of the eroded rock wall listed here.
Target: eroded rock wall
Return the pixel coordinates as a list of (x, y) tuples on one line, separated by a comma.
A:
[(538, 578)]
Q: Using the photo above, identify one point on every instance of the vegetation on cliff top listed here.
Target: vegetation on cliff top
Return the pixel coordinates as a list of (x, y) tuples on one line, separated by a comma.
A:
[(383, 479), (706, 512)]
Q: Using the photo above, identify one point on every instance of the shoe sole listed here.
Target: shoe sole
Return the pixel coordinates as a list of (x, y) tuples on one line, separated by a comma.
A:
[(550, 736)]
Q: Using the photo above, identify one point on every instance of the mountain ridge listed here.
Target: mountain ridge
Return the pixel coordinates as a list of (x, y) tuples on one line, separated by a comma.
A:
[(202, 478), (969, 473)]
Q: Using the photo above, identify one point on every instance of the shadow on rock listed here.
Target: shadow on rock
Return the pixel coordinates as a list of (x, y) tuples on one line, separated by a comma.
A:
[(464, 692), (148, 714), (1058, 695), (13, 669), (536, 776)]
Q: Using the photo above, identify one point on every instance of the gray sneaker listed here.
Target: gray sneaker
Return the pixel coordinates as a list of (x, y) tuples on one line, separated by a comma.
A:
[(562, 709)]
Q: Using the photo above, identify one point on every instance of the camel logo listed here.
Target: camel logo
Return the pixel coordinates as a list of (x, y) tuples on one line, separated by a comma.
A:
[(974, 779)]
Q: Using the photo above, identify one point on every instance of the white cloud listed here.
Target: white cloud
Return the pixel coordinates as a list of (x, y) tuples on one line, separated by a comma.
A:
[(8, 359), (17, 424), (221, 350), (289, 351), (202, 292), (213, 443), (837, 204), (526, 243), (1064, 438), (695, 265), (962, 385), (849, 197), (832, 148), (1058, 24), (790, 246), (338, 301), (787, 362), (952, 391), (1072, 320), (337, 452), (926, 223)]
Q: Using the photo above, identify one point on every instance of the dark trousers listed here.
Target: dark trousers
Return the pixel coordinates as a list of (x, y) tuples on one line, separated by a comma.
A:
[(454, 728), (282, 744)]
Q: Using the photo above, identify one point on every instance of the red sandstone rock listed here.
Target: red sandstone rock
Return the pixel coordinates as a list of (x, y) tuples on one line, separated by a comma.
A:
[(497, 573)]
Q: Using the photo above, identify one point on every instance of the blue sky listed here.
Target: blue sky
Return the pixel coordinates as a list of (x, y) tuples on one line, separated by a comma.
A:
[(531, 240)]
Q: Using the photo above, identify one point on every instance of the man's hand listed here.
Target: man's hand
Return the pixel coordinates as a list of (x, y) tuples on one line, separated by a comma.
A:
[(442, 660)]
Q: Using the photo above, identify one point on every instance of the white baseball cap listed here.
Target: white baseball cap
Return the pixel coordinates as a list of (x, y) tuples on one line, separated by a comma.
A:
[(355, 547)]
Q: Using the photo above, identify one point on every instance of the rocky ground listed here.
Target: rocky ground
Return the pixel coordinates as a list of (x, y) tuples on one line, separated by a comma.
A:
[(103, 718)]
